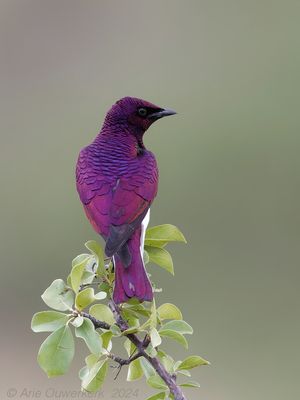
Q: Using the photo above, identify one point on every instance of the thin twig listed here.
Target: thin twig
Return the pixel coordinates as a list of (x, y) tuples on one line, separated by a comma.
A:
[(96, 322), (123, 361)]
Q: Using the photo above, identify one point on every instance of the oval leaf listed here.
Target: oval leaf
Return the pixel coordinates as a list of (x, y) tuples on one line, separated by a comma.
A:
[(86, 331), (48, 321), (150, 350), (160, 235), (129, 347), (157, 396), (191, 384), (78, 259), (156, 382), (77, 321), (184, 371), (95, 378), (87, 277), (58, 296), (137, 309), (147, 367), (97, 250), (83, 372), (115, 330), (100, 295), (155, 338), (57, 352), (106, 340), (135, 370), (91, 360), (161, 257), (84, 298), (102, 313), (178, 326), (192, 362), (178, 337), (169, 311), (77, 273), (168, 362)]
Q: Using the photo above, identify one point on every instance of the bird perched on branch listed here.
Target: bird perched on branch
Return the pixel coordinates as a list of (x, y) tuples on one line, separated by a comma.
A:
[(117, 180)]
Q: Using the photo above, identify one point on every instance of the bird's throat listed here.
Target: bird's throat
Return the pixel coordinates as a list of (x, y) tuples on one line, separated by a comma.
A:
[(140, 146)]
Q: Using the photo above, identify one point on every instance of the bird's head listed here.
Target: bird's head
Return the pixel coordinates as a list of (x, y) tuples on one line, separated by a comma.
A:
[(137, 113)]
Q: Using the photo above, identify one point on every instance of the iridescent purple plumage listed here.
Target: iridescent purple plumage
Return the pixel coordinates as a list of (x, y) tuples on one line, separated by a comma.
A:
[(117, 180)]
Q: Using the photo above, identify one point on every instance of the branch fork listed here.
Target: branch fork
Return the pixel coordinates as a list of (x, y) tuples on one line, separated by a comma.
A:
[(141, 345)]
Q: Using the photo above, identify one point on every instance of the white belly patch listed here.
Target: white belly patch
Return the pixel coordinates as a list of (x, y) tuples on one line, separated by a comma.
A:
[(144, 225)]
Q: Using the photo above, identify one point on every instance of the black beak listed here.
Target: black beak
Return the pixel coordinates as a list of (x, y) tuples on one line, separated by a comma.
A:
[(163, 113)]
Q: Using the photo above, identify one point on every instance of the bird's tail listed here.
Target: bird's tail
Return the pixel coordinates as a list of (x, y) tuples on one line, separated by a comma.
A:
[(132, 280)]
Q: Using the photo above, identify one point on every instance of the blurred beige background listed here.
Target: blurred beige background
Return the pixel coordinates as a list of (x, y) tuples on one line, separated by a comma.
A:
[(229, 166)]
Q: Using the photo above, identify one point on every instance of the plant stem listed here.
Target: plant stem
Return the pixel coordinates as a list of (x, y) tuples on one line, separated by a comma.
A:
[(141, 345), (123, 361)]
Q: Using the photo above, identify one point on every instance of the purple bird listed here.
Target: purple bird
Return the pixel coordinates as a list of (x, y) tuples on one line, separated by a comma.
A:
[(117, 179)]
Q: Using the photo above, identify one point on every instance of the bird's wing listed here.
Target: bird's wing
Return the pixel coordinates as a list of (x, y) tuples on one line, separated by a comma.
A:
[(95, 191), (131, 200)]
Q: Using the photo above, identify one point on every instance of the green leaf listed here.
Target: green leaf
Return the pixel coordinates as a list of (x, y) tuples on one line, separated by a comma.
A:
[(184, 372), (153, 315), (78, 321), (192, 362), (59, 296), (191, 384), (151, 351), (69, 284), (160, 235), (147, 367), (131, 317), (83, 372), (129, 347), (169, 311), (161, 257), (102, 313), (133, 329), (91, 360), (135, 370), (84, 298), (145, 257), (157, 396), (97, 250), (87, 277), (104, 287), (57, 352), (77, 272), (133, 301), (115, 330), (100, 295), (48, 321), (106, 339), (178, 337), (95, 378), (137, 309), (178, 326), (156, 382), (155, 338), (167, 361), (87, 332), (78, 259)]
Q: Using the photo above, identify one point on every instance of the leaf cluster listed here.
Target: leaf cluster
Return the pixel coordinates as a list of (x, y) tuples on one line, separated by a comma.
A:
[(83, 305)]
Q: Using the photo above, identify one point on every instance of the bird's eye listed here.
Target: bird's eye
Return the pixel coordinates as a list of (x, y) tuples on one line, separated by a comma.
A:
[(142, 112)]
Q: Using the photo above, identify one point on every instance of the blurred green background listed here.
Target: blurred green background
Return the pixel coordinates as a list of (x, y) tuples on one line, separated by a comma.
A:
[(229, 173)]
